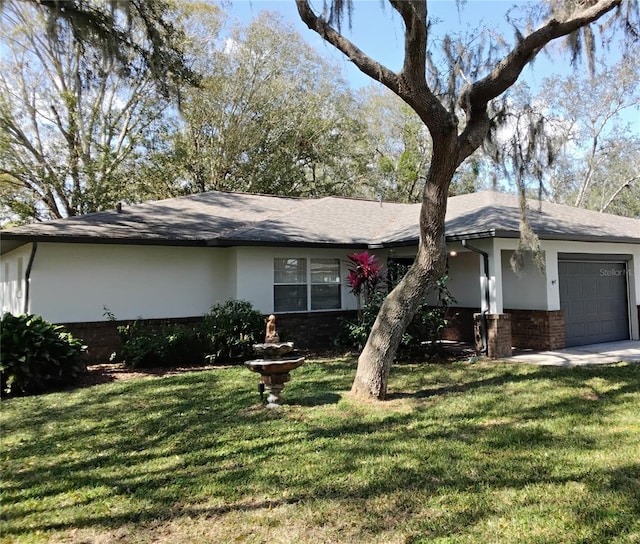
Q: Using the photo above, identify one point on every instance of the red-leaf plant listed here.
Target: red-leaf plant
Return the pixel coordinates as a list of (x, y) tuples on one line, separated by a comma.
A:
[(365, 275)]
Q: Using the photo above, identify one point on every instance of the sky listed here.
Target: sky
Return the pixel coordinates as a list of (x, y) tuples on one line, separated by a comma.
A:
[(377, 29)]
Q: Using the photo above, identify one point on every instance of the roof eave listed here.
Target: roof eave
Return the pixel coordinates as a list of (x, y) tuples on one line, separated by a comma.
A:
[(12, 241)]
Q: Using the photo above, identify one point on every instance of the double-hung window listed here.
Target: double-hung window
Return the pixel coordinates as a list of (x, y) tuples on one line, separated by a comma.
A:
[(301, 284)]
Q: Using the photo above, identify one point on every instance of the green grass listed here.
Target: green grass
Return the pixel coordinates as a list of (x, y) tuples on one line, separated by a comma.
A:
[(460, 453)]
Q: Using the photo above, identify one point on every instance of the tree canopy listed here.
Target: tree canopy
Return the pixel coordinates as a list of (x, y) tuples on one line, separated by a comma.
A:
[(127, 31), (73, 125)]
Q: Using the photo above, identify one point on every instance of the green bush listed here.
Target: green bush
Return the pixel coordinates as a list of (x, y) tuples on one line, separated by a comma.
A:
[(227, 334), (37, 356), (144, 346), (231, 329), (427, 324)]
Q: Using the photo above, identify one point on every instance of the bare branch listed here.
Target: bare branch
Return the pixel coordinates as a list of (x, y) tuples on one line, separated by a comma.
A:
[(627, 183), (366, 64), (507, 71), (414, 15), (410, 84)]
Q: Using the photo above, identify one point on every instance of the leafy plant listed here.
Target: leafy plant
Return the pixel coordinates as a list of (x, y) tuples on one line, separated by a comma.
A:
[(144, 345), (37, 356), (231, 329), (365, 274), (426, 326)]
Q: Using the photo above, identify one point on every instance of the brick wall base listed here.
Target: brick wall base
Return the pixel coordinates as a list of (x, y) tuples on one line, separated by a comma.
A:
[(537, 329), (498, 334), (313, 330), (460, 327), (102, 337), (528, 329)]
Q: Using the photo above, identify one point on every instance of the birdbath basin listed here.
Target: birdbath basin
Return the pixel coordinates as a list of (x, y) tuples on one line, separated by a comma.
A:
[(273, 350), (274, 369)]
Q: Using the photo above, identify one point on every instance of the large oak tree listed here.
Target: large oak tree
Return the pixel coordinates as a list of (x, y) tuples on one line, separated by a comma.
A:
[(458, 105)]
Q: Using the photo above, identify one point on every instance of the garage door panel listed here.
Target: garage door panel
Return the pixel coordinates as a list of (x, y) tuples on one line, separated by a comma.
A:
[(594, 328), (608, 327), (593, 296)]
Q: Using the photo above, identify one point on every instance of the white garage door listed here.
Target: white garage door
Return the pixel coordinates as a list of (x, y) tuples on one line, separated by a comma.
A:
[(593, 296)]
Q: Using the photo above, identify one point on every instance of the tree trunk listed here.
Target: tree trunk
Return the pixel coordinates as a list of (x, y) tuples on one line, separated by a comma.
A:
[(399, 307)]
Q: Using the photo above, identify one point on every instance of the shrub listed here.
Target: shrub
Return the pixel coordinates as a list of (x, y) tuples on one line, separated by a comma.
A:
[(37, 356), (427, 324), (231, 329), (144, 346)]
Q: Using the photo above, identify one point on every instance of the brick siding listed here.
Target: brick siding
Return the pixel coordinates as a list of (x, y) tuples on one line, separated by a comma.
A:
[(460, 327), (529, 329), (537, 329), (313, 330), (498, 334)]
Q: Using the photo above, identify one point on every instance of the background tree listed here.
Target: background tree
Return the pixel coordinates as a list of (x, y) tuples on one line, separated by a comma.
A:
[(455, 97), (401, 145), (71, 125), (598, 150), (581, 151), (130, 33), (270, 116)]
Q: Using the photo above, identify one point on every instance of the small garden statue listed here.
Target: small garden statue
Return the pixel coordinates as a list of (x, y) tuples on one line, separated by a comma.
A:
[(272, 336)]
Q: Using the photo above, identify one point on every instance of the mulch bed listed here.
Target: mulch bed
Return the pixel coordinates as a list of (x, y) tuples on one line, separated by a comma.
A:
[(118, 372)]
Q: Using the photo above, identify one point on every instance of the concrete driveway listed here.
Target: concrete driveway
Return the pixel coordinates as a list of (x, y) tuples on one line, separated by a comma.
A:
[(594, 354)]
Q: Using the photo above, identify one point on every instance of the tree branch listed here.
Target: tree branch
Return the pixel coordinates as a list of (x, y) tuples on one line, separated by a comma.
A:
[(627, 183), (410, 84), (475, 97), (365, 64), (414, 15)]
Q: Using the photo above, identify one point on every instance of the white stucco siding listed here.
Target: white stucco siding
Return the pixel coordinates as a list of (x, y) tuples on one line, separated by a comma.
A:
[(255, 273), (525, 289), (465, 277), (13, 267), (74, 282)]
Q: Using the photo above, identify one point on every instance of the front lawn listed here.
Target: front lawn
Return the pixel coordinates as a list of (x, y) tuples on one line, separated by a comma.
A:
[(460, 453)]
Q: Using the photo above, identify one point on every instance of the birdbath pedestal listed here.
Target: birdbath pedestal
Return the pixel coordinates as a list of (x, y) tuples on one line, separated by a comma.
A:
[(274, 369)]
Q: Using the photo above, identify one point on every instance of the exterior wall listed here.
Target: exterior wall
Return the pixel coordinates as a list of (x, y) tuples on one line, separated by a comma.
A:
[(537, 329), (74, 282), (551, 249), (13, 267), (71, 283), (465, 275), (527, 289)]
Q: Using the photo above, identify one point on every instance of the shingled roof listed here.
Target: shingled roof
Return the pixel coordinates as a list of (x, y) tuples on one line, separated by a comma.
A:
[(232, 219)]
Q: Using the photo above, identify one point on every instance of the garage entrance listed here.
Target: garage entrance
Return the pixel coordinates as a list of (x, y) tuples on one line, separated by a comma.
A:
[(593, 296)]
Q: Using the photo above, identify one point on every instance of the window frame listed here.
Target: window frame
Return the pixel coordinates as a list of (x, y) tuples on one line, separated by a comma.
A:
[(309, 284)]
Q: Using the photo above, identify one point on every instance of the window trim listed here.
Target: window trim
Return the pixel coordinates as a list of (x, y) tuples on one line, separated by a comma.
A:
[(309, 284)]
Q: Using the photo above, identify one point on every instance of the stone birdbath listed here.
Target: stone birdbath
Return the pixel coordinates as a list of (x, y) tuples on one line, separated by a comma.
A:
[(273, 366)]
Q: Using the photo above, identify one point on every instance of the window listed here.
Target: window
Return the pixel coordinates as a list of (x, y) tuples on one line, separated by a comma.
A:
[(290, 285), (300, 284), (325, 284)]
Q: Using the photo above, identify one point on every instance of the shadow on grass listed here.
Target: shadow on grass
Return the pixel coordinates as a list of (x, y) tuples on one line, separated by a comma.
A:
[(567, 377), (184, 446)]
